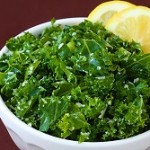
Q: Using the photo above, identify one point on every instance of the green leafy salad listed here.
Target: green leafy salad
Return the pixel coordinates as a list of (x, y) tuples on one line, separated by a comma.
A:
[(77, 82)]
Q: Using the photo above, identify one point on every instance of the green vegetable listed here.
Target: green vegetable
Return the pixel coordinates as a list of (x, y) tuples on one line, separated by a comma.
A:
[(78, 82)]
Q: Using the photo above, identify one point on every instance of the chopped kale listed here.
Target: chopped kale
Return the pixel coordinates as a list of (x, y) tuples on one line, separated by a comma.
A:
[(78, 82)]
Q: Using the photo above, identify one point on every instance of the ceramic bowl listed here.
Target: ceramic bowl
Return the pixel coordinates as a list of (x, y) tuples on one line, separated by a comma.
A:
[(28, 138)]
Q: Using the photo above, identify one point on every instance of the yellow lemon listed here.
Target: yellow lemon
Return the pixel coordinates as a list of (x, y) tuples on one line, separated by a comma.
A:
[(132, 24), (106, 10)]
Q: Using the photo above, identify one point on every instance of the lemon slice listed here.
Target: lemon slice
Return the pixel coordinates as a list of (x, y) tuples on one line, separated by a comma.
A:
[(106, 10), (132, 24)]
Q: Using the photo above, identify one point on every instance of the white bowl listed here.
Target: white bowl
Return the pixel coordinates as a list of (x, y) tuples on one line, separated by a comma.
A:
[(28, 138)]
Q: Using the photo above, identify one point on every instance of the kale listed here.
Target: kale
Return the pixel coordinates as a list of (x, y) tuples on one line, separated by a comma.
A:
[(77, 82)]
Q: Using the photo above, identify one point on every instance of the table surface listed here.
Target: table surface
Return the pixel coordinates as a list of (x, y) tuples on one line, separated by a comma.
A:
[(19, 15)]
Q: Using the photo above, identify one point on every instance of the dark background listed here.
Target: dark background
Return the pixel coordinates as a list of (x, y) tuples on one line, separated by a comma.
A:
[(19, 15)]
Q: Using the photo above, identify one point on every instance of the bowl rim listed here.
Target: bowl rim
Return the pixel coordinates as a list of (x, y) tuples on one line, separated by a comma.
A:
[(5, 111)]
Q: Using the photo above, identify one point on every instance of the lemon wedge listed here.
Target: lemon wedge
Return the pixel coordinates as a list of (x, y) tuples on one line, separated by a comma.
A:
[(106, 10), (132, 24)]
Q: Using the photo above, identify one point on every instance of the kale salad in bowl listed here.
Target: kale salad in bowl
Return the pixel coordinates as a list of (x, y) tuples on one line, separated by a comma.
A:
[(72, 84)]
